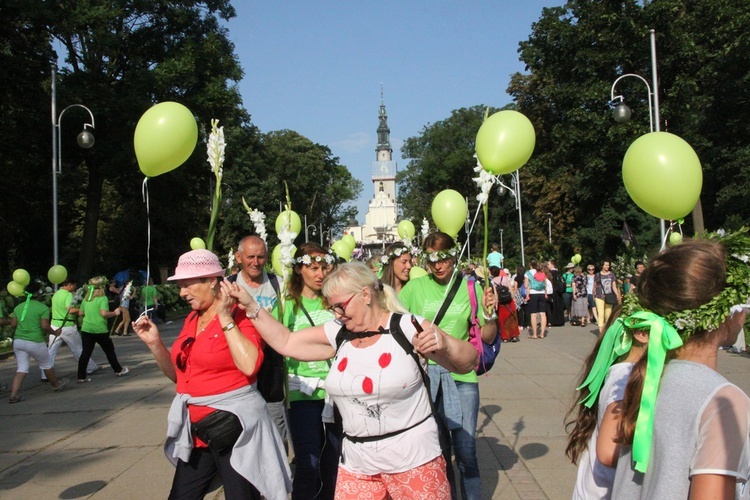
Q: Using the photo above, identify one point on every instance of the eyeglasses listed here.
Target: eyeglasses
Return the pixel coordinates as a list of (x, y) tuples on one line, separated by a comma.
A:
[(182, 357), (590, 268), (341, 308)]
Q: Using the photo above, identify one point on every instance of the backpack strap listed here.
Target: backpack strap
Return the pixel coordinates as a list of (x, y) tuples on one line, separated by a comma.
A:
[(448, 300), (473, 319)]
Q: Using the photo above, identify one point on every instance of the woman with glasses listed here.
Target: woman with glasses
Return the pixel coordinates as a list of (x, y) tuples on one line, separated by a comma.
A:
[(456, 393), (218, 422), (390, 446), (316, 438)]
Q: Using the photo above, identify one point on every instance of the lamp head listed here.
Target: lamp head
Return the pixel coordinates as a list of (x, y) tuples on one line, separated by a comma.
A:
[(621, 113), (86, 139), (501, 190)]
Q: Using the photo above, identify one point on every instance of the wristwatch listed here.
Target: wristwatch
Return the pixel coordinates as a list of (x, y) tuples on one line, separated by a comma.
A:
[(228, 326)]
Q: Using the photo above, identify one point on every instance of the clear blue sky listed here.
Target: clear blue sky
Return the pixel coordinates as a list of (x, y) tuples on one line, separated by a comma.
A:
[(316, 67)]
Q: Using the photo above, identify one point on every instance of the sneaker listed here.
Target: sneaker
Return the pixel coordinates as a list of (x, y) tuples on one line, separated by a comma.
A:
[(84, 380), (60, 384), (125, 370)]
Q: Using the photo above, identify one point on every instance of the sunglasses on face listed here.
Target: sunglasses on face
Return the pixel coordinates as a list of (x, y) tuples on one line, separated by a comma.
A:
[(182, 357), (340, 309)]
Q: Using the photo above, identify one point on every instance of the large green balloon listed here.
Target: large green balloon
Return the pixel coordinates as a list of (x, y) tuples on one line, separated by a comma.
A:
[(15, 289), (449, 211), (276, 264), (197, 244), (164, 138), (416, 272), (284, 217), (350, 241), (342, 250), (406, 230), (662, 175), (21, 276), (505, 142), (57, 274)]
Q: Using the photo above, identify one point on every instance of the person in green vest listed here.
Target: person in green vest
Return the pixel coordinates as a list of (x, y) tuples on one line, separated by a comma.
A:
[(31, 321), (150, 299), (94, 330)]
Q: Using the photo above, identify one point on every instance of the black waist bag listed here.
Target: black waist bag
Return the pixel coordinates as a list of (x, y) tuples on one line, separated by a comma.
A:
[(219, 430)]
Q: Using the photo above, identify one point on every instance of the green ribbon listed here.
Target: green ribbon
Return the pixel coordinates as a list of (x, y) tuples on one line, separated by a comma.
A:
[(91, 292), (26, 305), (662, 338), (615, 343)]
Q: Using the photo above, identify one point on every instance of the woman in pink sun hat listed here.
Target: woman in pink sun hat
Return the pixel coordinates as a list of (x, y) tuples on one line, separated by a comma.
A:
[(218, 421)]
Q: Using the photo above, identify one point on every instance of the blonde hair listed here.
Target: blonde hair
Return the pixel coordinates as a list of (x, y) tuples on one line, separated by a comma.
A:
[(95, 287), (352, 277)]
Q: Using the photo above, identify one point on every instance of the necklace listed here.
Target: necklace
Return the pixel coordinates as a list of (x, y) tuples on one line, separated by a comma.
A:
[(203, 323)]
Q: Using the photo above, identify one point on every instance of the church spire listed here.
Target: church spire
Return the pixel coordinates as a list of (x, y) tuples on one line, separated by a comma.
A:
[(384, 133)]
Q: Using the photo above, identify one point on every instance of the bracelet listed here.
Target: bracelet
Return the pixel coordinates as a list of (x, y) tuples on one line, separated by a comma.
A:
[(255, 314), (489, 318)]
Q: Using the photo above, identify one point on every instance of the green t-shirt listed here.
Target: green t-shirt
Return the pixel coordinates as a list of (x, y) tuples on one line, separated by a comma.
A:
[(424, 296), (30, 329), (297, 321), (93, 321), (60, 302), (149, 295), (568, 282)]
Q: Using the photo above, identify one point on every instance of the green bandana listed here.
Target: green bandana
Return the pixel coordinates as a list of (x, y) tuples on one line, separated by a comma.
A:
[(26, 305)]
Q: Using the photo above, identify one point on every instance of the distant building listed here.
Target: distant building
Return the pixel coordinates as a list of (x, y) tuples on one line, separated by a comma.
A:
[(380, 224)]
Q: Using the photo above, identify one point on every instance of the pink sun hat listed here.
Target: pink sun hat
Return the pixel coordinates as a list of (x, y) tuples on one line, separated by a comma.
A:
[(197, 264)]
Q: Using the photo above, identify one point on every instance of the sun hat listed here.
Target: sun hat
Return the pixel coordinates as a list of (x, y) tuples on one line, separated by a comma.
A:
[(570, 265), (480, 272), (197, 264)]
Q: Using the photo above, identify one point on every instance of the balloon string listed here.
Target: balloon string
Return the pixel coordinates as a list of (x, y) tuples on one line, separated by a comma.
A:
[(460, 255), (144, 193)]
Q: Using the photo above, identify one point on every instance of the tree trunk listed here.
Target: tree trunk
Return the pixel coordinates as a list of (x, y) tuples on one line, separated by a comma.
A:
[(698, 226), (91, 220)]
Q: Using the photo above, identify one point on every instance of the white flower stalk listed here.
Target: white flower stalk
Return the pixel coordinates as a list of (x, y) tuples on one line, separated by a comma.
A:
[(127, 290), (485, 181), (425, 228), (230, 260), (258, 219), (215, 148)]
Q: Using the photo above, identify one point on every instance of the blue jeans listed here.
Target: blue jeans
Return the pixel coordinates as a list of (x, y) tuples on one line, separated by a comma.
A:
[(317, 447), (463, 443)]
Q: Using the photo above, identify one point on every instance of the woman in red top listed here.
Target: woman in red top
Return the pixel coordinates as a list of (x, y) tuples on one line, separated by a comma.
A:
[(214, 362)]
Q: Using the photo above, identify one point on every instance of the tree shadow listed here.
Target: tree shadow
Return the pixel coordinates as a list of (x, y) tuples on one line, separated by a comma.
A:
[(83, 489)]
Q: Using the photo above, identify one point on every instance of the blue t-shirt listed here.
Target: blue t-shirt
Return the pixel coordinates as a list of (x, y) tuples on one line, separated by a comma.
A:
[(495, 259)]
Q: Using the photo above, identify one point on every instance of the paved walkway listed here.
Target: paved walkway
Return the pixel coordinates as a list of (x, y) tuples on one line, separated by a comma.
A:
[(103, 440)]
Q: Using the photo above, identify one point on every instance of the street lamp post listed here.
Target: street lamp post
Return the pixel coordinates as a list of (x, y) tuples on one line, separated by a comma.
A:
[(549, 225), (515, 191), (85, 140), (501, 243), (622, 112)]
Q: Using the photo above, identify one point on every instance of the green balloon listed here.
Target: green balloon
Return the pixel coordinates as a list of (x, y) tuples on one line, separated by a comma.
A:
[(197, 244), (57, 274), (350, 241), (21, 276), (576, 259), (449, 211), (406, 230), (416, 272), (505, 142), (286, 216), (662, 175), (342, 250), (15, 289), (164, 138), (675, 238)]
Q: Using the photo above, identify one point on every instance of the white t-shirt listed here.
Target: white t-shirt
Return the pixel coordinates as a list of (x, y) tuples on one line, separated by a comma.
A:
[(378, 390), (594, 478)]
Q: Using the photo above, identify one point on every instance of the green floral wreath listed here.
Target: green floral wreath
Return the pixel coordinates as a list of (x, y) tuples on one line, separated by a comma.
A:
[(307, 260), (712, 314)]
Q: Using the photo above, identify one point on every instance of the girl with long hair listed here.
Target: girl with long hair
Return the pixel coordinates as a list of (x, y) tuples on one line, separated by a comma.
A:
[(687, 427), (396, 265)]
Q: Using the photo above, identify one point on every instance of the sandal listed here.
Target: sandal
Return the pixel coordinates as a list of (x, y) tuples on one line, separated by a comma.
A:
[(60, 384), (15, 399), (533, 337)]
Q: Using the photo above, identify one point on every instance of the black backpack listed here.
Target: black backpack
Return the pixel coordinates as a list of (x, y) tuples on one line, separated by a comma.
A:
[(503, 295), (558, 283)]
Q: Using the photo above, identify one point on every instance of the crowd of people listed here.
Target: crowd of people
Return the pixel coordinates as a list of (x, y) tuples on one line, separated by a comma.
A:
[(366, 376)]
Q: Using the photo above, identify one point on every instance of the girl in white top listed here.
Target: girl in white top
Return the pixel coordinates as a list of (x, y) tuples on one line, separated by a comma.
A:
[(391, 443)]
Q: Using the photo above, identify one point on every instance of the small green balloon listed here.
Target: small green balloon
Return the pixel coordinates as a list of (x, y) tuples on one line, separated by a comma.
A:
[(342, 250), (406, 230), (449, 211), (15, 289), (21, 276), (57, 274), (675, 238), (197, 244), (681, 221), (416, 272)]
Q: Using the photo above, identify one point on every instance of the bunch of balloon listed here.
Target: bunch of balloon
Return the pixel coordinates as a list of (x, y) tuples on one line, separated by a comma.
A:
[(663, 175), (504, 144), (576, 259), (350, 241), (21, 278)]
